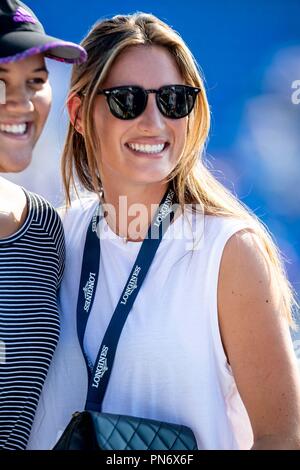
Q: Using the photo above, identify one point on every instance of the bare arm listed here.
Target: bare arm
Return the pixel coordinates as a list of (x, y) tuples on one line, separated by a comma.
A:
[(257, 342)]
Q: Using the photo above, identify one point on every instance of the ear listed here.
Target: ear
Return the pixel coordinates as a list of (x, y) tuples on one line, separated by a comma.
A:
[(75, 112)]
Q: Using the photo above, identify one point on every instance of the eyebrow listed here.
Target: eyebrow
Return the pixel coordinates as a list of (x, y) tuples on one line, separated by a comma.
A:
[(40, 69)]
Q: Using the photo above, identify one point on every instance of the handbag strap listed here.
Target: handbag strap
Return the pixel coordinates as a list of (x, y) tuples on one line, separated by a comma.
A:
[(99, 373)]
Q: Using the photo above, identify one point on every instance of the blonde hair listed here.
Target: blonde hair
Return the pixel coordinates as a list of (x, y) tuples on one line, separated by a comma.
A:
[(192, 180)]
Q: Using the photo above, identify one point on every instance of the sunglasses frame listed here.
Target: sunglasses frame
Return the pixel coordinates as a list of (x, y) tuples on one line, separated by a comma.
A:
[(107, 92)]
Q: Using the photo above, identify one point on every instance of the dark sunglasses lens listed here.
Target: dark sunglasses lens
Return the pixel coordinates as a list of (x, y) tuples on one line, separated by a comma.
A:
[(127, 103), (176, 102)]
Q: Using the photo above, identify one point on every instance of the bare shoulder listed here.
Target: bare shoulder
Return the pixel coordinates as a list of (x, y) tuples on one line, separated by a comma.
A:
[(248, 280), (13, 208), (256, 339)]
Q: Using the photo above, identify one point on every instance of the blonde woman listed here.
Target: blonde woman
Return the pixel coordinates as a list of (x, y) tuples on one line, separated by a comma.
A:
[(206, 342)]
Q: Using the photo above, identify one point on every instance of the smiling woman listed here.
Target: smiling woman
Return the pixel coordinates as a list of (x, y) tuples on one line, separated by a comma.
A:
[(206, 341), (145, 148), (31, 234), (22, 117)]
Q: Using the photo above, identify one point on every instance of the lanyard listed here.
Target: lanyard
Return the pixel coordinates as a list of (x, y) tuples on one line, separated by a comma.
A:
[(99, 373)]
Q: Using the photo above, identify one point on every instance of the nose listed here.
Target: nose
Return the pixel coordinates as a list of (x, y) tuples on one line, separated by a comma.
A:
[(151, 120), (18, 99)]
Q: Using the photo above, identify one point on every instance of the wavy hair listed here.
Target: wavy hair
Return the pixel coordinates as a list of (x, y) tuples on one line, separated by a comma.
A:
[(193, 181)]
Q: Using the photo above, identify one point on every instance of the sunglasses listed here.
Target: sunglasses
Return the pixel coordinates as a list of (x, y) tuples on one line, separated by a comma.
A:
[(129, 102)]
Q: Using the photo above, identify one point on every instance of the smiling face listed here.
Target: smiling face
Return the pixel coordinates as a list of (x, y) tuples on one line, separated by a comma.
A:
[(146, 149), (22, 117)]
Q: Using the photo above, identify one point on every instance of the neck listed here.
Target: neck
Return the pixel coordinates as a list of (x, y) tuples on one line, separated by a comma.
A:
[(129, 211)]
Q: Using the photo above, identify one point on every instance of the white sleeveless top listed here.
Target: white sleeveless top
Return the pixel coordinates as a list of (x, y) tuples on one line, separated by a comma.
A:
[(170, 364)]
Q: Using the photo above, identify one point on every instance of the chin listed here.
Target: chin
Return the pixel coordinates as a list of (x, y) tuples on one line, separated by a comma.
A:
[(14, 165), (151, 178)]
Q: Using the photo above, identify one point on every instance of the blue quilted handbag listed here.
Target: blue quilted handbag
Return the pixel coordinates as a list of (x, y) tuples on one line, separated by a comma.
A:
[(92, 430)]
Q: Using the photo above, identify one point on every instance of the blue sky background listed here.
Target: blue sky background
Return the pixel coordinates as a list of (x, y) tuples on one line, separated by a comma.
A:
[(232, 40), (249, 52)]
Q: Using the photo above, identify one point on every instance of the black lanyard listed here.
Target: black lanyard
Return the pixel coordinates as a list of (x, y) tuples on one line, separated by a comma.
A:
[(99, 373)]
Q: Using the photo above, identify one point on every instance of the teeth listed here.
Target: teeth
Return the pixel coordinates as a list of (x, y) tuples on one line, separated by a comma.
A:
[(14, 128), (146, 148)]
